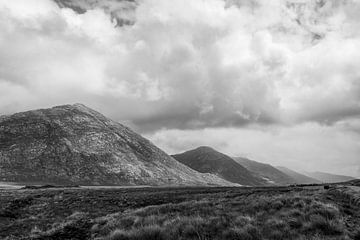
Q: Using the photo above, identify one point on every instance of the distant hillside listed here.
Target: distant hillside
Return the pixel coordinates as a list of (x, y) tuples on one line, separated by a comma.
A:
[(208, 160), (355, 182), (298, 177), (329, 177), (266, 171), (77, 145)]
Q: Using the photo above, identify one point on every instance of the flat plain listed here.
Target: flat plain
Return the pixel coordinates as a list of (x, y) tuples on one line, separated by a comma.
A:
[(293, 212)]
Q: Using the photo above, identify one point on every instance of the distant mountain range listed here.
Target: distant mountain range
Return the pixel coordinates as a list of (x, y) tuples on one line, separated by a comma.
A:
[(298, 177), (328, 177), (207, 160), (73, 144), (266, 171)]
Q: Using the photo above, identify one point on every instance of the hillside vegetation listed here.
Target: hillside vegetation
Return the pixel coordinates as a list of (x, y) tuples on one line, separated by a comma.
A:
[(272, 213)]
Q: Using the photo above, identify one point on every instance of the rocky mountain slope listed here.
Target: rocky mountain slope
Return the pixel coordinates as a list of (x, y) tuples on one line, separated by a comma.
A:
[(266, 171), (208, 160), (75, 144), (329, 177), (299, 178)]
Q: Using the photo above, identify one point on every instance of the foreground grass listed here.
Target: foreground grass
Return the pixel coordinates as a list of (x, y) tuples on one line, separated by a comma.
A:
[(196, 213), (283, 216)]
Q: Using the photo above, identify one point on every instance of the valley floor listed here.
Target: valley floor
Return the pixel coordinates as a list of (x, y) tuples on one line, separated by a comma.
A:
[(181, 213)]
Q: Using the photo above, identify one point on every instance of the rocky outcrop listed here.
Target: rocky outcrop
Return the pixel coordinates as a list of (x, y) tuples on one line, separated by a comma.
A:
[(73, 144)]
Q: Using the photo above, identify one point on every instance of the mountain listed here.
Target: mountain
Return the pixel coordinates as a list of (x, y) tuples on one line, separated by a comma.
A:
[(73, 144), (329, 177), (208, 160), (266, 171), (298, 177)]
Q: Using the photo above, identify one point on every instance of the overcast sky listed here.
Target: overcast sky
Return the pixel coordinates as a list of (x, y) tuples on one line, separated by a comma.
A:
[(275, 81)]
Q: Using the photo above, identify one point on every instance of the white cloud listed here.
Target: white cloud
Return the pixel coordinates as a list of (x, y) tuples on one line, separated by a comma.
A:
[(187, 64), (213, 63)]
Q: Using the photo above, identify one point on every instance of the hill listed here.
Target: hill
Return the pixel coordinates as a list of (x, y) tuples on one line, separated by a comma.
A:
[(329, 177), (298, 177), (73, 144), (208, 160), (266, 171)]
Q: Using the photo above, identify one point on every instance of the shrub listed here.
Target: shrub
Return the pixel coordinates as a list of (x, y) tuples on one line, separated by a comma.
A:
[(127, 222), (328, 211), (243, 220), (77, 215), (357, 234), (144, 221), (192, 228), (148, 233), (296, 223), (276, 224), (35, 231), (119, 235), (276, 229), (325, 226), (299, 204), (294, 213), (248, 232), (277, 205)]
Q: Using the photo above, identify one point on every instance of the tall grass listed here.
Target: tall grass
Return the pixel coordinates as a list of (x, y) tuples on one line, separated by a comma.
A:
[(253, 217)]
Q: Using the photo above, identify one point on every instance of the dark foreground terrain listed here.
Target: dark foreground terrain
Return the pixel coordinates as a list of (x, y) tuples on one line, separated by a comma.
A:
[(311, 212)]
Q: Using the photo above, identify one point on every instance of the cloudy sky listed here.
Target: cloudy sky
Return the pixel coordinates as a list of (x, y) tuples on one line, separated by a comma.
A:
[(275, 81)]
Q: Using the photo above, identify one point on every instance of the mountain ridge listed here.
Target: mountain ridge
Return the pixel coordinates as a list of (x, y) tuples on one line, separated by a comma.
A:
[(76, 144), (300, 178), (326, 177), (207, 160), (266, 171)]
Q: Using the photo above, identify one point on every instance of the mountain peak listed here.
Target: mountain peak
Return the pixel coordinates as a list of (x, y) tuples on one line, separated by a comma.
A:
[(75, 144), (76, 106), (207, 160), (205, 149)]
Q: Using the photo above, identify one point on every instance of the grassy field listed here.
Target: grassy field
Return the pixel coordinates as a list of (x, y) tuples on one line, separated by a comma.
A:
[(181, 213)]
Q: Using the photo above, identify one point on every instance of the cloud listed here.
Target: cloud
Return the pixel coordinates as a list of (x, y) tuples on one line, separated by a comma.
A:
[(184, 65), (276, 80), (305, 147), (120, 11)]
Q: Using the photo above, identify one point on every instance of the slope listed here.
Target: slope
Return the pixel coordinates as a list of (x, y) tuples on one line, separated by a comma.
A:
[(299, 178), (329, 177), (266, 171), (208, 160), (75, 144)]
